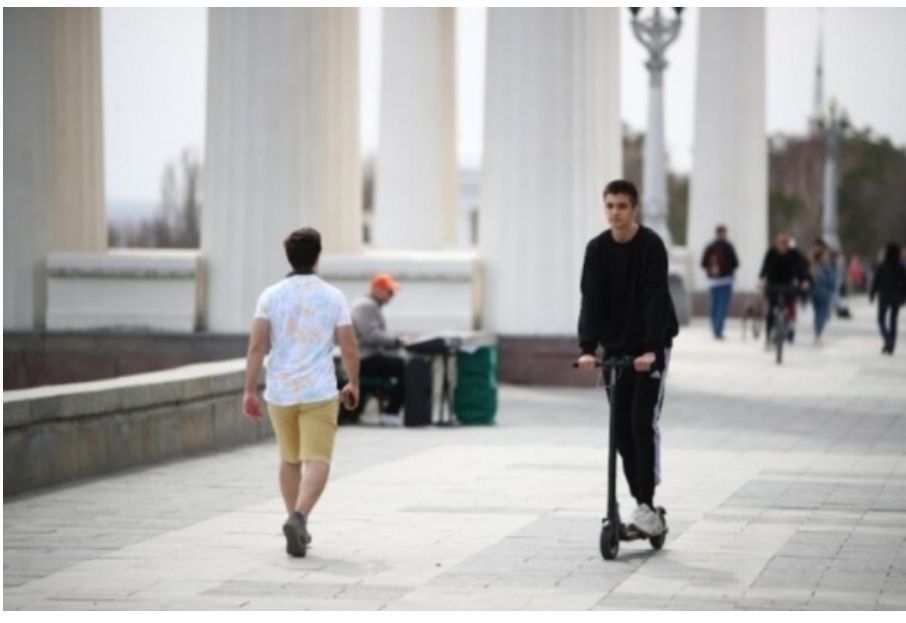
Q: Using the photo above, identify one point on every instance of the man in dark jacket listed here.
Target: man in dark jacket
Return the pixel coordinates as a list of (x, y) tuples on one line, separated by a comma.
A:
[(889, 285), (627, 309), (720, 262)]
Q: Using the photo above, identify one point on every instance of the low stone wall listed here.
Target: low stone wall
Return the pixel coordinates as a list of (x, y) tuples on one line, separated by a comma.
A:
[(441, 290), (134, 289), (535, 360), (110, 314), (34, 358), (61, 433)]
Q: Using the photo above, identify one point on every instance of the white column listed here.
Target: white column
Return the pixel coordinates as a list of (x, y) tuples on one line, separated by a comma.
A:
[(829, 205), (829, 213), (552, 141), (53, 193), (729, 182), (416, 186), (654, 174), (282, 147)]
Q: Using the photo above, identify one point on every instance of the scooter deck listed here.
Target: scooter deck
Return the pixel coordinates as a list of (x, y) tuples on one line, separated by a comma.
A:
[(631, 533)]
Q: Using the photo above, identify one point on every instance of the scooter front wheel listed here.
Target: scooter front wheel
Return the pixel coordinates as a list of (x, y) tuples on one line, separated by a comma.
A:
[(610, 541)]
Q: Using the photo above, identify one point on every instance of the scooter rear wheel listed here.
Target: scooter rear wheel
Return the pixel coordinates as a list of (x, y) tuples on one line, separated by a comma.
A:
[(610, 541), (657, 542)]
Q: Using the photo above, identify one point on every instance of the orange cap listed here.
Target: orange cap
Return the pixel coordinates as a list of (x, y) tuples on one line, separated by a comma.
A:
[(385, 281)]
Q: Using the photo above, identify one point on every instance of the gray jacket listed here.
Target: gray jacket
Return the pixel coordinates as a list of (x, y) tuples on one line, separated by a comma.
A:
[(370, 328)]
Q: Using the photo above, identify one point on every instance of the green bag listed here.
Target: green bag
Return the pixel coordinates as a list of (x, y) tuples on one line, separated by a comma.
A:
[(475, 394)]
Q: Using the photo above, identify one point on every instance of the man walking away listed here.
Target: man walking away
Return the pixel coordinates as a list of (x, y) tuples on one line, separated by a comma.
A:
[(889, 285), (720, 262), (297, 321)]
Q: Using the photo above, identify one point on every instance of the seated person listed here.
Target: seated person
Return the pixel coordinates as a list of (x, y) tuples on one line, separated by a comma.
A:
[(376, 346)]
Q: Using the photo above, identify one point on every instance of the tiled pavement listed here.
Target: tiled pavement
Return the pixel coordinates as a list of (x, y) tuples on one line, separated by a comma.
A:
[(786, 489)]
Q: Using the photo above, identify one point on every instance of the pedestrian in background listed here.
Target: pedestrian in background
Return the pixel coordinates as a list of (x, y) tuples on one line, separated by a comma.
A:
[(720, 262), (824, 282), (889, 285)]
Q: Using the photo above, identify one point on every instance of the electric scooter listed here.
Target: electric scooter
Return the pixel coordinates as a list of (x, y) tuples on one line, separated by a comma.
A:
[(613, 530)]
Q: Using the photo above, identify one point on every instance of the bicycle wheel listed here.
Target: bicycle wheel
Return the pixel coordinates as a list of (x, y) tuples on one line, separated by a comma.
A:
[(780, 334)]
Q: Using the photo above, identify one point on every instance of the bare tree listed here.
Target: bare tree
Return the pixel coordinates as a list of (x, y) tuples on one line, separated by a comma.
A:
[(175, 223)]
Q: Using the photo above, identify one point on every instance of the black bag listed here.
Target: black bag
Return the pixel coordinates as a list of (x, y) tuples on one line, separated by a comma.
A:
[(419, 386)]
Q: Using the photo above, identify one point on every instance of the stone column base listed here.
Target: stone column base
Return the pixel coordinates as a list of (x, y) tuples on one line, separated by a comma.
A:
[(536, 360)]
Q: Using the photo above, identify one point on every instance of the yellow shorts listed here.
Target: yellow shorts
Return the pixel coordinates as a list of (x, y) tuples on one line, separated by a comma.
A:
[(305, 431)]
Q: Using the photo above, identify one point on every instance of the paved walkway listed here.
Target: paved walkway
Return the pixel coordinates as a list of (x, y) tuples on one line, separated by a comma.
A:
[(786, 489)]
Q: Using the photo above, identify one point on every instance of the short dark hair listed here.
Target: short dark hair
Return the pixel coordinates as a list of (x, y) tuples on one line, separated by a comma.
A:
[(622, 187), (303, 247), (720, 229)]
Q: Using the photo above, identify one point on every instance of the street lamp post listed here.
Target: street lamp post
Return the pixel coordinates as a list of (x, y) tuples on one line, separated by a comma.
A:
[(832, 126), (656, 33)]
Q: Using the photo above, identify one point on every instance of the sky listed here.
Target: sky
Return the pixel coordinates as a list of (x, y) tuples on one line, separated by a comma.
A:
[(154, 63)]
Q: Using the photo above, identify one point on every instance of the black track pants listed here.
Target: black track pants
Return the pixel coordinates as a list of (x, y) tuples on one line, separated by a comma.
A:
[(640, 396)]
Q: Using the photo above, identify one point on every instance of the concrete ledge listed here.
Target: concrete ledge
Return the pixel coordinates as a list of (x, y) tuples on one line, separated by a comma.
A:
[(33, 358), (157, 290), (65, 432), (130, 263), (441, 290)]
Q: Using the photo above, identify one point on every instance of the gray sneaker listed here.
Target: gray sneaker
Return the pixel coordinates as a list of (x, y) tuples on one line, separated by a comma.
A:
[(647, 521), (297, 537)]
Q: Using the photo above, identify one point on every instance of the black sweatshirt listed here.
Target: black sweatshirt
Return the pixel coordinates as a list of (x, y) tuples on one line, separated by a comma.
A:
[(890, 282), (784, 268), (626, 304)]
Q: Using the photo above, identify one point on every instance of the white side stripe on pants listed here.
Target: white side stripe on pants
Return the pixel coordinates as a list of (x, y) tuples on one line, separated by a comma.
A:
[(657, 418)]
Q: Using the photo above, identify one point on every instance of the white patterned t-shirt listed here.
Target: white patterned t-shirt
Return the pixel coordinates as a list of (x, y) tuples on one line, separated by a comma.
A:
[(304, 312)]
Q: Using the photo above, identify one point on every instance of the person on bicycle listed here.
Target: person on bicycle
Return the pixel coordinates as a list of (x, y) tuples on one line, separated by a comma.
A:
[(627, 309), (783, 268)]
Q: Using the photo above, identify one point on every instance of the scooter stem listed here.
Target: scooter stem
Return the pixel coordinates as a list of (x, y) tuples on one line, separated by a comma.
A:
[(613, 513)]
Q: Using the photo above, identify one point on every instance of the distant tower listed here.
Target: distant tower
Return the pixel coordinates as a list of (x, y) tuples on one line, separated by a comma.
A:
[(818, 105)]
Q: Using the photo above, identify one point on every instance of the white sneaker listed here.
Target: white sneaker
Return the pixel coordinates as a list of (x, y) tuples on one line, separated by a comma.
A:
[(647, 521), (391, 419)]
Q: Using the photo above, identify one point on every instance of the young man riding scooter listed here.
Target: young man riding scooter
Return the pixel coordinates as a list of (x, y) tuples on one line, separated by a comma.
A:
[(627, 309)]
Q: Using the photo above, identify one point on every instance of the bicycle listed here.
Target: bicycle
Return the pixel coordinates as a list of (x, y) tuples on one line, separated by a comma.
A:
[(780, 311)]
